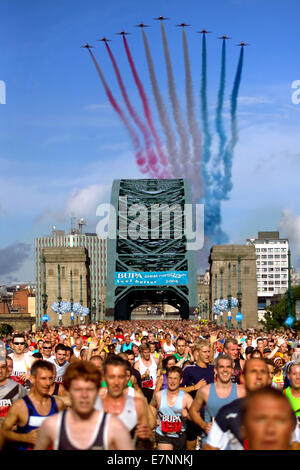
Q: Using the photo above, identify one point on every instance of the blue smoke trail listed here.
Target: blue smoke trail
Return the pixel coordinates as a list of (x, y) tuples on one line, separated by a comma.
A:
[(217, 174), (228, 154), (212, 220), (207, 137)]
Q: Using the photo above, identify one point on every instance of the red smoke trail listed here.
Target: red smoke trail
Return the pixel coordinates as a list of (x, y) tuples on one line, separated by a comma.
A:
[(147, 111), (140, 159), (152, 159)]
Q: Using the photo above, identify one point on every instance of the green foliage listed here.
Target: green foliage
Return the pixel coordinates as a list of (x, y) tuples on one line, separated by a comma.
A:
[(5, 329), (277, 314)]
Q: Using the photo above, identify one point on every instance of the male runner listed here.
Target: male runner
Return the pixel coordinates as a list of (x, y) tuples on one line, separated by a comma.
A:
[(217, 394), (225, 432), (268, 421), (47, 350), (132, 411), (10, 391), (172, 406), (21, 361), (147, 367), (232, 349), (83, 427), (183, 352), (194, 377), (60, 362), (29, 412)]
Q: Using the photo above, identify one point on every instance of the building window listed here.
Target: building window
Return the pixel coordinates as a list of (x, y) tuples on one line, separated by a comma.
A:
[(50, 272)]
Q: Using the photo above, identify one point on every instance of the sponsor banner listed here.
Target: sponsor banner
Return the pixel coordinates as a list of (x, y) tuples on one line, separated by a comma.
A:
[(156, 278)]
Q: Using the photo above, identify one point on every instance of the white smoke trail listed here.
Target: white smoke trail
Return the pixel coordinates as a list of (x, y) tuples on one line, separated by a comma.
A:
[(195, 167), (180, 125), (162, 113)]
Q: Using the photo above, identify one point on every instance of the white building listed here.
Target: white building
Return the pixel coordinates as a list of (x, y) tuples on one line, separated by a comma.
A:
[(271, 266)]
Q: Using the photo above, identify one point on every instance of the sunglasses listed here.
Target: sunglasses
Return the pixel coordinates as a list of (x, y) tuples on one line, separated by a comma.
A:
[(18, 344), (46, 347)]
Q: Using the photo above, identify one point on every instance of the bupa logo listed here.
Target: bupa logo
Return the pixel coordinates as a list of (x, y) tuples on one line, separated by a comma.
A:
[(129, 275), (2, 92)]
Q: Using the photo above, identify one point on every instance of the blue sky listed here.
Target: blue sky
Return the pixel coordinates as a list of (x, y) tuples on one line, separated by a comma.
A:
[(61, 144)]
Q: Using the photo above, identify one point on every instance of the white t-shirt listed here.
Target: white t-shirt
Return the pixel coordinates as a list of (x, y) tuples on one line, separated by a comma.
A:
[(22, 366), (60, 370), (77, 353), (169, 349)]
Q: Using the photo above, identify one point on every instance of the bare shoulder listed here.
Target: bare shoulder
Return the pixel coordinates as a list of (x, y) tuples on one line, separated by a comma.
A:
[(203, 392), (50, 422), (115, 424), (187, 399), (139, 402), (18, 409), (60, 403)]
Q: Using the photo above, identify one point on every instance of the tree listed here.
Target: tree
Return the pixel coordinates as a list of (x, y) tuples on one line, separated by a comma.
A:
[(276, 315), (5, 329)]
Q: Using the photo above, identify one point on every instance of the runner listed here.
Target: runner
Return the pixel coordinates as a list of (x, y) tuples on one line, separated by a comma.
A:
[(21, 361), (293, 392), (83, 427), (268, 421), (60, 362), (231, 348), (46, 350), (225, 432), (194, 377), (162, 383), (183, 352), (29, 412), (216, 395), (147, 367), (172, 406), (10, 391), (168, 347), (132, 411)]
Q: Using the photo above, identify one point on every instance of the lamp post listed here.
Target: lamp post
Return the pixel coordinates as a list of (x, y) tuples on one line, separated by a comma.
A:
[(239, 293), (71, 297), (229, 297), (290, 297), (45, 306), (216, 289), (221, 292), (59, 298), (94, 311), (205, 310)]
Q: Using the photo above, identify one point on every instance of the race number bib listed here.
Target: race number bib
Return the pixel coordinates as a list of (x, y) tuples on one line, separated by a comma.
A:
[(170, 426), (147, 383)]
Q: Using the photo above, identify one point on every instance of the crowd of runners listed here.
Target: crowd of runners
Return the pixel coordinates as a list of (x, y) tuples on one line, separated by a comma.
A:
[(165, 385)]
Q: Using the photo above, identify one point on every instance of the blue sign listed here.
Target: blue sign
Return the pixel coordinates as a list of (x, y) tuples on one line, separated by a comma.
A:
[(239, 316), (289, 321), (158, 278), (45, 318)]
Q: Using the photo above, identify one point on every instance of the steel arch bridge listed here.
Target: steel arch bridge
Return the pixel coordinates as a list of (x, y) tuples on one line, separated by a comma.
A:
[(154, 251)]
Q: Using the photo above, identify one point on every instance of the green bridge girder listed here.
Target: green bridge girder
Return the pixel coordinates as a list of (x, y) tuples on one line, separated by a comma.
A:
[(149, 253)]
